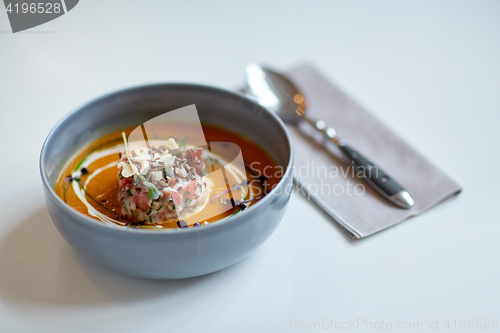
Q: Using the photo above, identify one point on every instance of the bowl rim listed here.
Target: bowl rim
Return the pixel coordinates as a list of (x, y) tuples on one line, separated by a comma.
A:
[(163, 231)]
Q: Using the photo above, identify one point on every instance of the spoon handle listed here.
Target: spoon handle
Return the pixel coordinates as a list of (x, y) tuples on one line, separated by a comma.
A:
[(370, 172)]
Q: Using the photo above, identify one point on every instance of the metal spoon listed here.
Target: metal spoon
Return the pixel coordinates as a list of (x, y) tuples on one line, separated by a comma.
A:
[(280, 95)]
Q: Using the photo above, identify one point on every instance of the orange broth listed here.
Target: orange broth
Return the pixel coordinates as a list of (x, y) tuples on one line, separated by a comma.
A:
[(102, 191)]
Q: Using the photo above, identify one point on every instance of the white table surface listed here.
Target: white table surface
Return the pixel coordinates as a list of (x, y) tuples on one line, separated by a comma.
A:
[(429, 69)]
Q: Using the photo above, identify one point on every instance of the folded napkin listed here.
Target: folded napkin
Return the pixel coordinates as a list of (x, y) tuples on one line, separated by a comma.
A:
[(332, 183)]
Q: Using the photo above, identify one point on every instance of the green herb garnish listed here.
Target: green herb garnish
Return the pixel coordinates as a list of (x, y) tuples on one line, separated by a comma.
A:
[(129, 193), (79, 165), (153, 193)]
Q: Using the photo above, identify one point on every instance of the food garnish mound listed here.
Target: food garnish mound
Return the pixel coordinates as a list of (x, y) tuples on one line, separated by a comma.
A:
[(161, 183)]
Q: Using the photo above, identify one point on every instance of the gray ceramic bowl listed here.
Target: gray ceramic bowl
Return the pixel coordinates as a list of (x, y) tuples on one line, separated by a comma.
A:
[(173, 253)]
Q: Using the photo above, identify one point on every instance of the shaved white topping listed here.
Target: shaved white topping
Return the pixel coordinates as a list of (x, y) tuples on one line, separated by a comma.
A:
[(142, 151), (144, 167), (156, 156), (156, 175), (171, 144), (168, 160), (181, 172), (127, 169), (140, 158)]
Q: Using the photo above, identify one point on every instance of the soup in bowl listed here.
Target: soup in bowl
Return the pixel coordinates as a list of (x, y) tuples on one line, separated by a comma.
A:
[(167, 181)]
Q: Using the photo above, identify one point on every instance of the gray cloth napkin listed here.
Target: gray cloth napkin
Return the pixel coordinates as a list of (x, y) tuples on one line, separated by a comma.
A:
[(330, 182)]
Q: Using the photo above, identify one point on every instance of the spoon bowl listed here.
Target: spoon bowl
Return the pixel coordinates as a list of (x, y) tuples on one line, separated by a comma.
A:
[(278, 94)]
